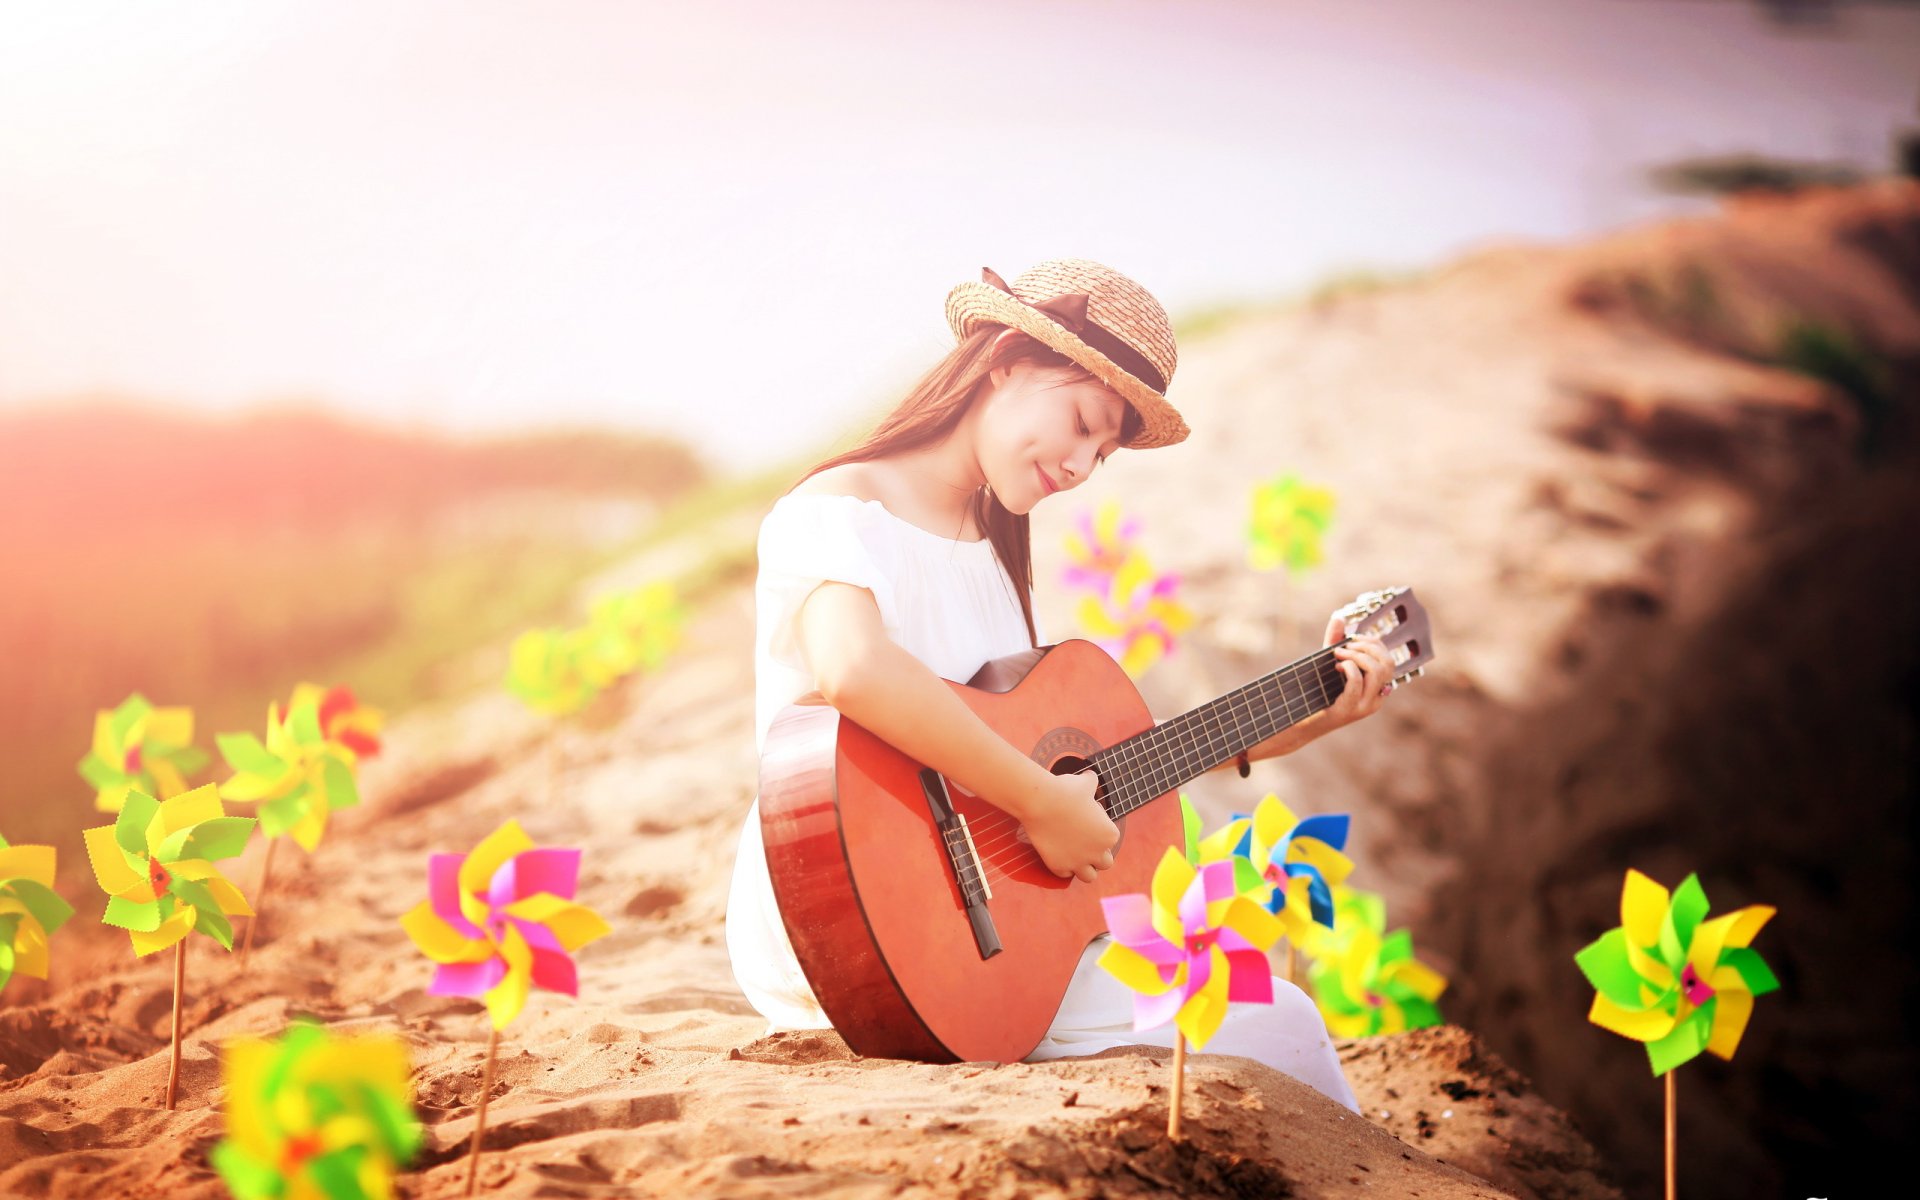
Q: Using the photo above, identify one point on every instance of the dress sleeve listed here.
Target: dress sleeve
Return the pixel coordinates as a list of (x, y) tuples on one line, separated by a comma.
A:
[(808, 539)]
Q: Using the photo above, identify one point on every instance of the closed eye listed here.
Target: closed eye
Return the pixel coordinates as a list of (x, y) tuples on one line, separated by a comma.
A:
[(1098, 459)]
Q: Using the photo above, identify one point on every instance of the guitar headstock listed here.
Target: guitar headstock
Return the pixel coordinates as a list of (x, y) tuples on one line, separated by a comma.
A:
[(1396, 618)]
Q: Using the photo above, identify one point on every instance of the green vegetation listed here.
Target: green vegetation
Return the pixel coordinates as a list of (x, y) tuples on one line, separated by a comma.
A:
[(1208, 320), (1828, 352)]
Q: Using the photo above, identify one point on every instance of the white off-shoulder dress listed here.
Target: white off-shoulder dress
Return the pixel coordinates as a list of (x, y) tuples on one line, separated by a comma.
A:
[(952, 606)]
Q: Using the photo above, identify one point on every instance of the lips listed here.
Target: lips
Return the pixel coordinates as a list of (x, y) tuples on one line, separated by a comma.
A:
[(1046, 482)]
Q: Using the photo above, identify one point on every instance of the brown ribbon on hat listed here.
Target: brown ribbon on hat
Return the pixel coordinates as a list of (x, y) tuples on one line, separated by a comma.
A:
[(1069, 311)]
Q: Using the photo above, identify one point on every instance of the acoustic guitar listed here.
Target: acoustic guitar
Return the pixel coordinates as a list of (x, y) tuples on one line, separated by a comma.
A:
[(926, 923)]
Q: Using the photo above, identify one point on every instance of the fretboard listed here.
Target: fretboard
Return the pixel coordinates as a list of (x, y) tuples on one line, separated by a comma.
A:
[(1156, 761)]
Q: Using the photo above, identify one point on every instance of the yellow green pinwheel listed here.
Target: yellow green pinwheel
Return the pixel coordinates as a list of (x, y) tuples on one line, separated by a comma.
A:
[(502, 921), (1288, 518), (30, 910), (556, 671), (298, 777), (1139, 619), (155, 862), (1366, 981), (139, 746), (1216, 846), (1097, 547), (637, 628), (1189, 949), (1669, 977), (315, 1116)]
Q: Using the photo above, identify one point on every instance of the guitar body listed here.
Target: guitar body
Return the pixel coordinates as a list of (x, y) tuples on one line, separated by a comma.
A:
[(869, 892)]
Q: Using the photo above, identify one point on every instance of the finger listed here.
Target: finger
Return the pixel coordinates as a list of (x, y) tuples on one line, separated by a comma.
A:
[(1336, 629), (1106, 859), (1087, 874)]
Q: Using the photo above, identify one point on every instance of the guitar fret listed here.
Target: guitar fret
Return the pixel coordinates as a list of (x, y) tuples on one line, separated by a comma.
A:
[(1158, 760)]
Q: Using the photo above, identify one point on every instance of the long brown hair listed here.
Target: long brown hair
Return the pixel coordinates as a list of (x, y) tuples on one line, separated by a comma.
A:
[(933, 407)]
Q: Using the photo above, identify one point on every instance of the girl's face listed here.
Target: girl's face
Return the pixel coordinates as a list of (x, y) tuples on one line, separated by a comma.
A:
[(1041, 434)]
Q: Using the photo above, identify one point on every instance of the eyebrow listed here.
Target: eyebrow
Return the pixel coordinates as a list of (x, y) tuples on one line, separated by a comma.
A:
[(1119, 423)]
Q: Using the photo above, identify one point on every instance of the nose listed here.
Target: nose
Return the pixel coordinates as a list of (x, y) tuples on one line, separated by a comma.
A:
[(1075, 468)]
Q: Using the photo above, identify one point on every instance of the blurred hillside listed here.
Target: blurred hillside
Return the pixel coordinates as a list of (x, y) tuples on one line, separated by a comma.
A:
[(216, 563)]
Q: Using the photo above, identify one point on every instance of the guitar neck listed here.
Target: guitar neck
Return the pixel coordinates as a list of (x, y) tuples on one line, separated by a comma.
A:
[(1155, 762)]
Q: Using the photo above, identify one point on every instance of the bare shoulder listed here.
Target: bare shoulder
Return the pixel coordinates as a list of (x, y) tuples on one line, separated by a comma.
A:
[(863, 481)]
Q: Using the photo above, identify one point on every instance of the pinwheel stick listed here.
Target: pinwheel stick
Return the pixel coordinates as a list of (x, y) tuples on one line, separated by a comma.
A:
[(179, 987), (553, 762), (1672, 1121), (259, 894), (1179, 1077), (480, 1121)]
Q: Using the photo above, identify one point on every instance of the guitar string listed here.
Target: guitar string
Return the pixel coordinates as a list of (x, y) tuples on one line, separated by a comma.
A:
[(1002, 829), (996, 837)]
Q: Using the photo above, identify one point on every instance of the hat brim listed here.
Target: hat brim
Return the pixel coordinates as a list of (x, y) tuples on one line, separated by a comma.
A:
[(971, 304)]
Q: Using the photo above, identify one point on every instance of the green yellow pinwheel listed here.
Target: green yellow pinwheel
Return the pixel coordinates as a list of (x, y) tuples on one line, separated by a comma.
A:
[(139, 746), (556, 671), (1288, 519), (634, 629), (1673, 979), (298, 777), (155, 862), (1299, 862), (1367, 981), (30, 910), (315, 1116)]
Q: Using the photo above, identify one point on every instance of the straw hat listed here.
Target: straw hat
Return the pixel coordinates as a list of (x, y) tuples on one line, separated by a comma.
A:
[(1097, 317)]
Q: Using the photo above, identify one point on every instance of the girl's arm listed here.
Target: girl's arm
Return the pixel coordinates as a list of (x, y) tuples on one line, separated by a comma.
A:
[(873, 680)]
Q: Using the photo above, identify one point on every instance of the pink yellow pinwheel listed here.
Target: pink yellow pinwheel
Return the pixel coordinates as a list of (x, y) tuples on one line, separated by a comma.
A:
[(139, 746), (300, 775), (1364, 980), (155, 862), (1097, 548), (1190, 948), (1669, 977), (555, 671), (1140, 619), (502, 920), (637, 628), (1288, 518), (30, 910), (314, 1115)]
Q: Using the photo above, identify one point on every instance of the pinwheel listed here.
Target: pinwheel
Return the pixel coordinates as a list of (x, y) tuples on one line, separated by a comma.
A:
[(1288, 518), (350, 729), (139, 746), (301, 775), (30, 910), (500, 922), (1367, 981), (1188, 950), (1217, 846), (554, 671), (1669, 977), (636, 628), (1138, 620), (314, 1115), (1299, 861), (155, 862), (1097, 548)]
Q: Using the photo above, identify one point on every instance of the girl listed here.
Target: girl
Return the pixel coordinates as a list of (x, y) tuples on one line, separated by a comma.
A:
[(906, 561)]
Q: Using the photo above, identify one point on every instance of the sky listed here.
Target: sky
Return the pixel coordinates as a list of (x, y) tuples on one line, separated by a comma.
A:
[(736, 222)]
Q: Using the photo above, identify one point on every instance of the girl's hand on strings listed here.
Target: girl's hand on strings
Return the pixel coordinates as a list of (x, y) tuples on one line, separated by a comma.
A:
[(1368, 669), (1069, 827)]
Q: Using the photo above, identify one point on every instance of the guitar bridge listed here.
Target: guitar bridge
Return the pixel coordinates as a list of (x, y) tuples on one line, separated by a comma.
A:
[(964, 857)]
